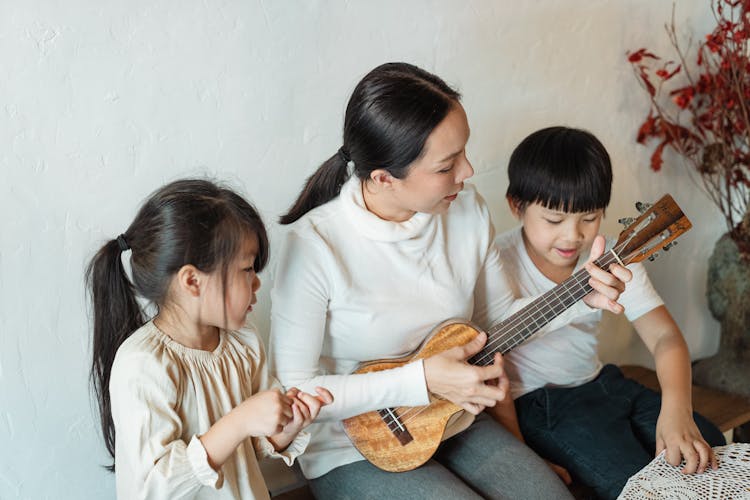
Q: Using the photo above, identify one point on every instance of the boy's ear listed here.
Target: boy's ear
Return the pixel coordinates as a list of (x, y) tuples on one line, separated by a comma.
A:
[(190, 280), (381, 178), (515, 207)]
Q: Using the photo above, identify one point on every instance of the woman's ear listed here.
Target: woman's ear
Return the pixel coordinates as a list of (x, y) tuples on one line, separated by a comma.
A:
[(381, 178), (190, 280)]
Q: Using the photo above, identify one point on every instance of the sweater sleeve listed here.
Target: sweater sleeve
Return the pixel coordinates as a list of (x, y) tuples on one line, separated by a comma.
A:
[(300, 297), (493, 295), (151, 459)]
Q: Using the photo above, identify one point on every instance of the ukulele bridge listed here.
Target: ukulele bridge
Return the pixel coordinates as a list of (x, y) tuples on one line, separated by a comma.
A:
[(395, 426)]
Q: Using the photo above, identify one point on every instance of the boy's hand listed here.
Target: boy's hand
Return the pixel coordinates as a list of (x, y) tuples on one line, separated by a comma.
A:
[(677, 433), (607, 285), (561, 472)]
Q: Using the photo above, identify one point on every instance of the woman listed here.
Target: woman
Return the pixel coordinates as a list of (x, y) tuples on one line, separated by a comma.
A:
[(384, 244)]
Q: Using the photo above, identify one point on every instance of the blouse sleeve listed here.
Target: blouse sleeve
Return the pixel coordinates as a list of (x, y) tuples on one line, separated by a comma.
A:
[(493, 296), (151, 459), (298, 321)]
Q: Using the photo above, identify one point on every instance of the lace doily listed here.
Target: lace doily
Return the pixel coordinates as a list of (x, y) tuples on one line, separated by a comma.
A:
[(661, 480)]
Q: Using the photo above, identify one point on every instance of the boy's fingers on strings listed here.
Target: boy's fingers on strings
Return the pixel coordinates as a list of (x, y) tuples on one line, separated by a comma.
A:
[(597, 248)]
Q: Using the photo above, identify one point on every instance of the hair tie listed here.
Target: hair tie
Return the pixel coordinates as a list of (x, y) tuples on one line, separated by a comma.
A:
[(123, 243), (344, 155)]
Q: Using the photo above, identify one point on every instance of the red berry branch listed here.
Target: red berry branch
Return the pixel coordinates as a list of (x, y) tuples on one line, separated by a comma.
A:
[(703, 113)]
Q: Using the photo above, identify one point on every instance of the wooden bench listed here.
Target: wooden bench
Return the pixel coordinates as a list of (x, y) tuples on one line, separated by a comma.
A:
[(725, 410)]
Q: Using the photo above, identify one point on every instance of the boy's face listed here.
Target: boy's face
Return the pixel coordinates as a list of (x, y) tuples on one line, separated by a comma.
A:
[(555, 239)]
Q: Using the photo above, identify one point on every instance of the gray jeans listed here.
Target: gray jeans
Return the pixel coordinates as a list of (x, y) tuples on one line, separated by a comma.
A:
[(484, 461)]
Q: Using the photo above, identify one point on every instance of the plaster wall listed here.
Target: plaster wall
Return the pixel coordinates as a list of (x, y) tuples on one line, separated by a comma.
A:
[(103, 101)]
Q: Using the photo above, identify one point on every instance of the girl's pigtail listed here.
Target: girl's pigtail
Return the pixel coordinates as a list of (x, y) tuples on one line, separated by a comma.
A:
[(116, 316)]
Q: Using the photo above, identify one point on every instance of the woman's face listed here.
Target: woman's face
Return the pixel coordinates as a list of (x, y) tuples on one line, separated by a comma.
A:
[(435, 178)]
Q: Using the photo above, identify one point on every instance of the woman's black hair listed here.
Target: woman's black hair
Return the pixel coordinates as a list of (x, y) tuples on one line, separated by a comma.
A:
[(561, 168), (191, 221), (390, 114)]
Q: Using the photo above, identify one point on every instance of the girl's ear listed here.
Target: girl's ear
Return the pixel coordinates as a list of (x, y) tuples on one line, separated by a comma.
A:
[(515, 207), (381, 178), (190, 280)]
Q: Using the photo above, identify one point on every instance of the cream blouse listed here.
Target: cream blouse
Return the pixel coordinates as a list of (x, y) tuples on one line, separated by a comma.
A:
[(164, 395)]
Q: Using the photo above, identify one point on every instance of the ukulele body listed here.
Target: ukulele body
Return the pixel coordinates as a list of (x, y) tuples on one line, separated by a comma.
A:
[(373, 437)]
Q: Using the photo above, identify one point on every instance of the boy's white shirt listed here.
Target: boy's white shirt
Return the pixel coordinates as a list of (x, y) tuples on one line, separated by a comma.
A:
[(566, 356)]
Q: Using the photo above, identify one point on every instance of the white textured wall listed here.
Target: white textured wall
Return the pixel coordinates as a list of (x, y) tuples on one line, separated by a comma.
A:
[(103, 101)]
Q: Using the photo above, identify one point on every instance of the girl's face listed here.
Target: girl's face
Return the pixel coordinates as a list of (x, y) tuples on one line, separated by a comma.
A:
[(435, 178), (554, 239), (242, 283)]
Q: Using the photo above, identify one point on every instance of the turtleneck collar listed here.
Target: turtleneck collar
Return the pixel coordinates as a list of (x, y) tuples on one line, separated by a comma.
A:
[(373, 227)]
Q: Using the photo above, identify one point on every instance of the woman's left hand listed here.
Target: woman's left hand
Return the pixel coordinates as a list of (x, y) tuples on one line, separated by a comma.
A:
[(677, 433), (607, 285)]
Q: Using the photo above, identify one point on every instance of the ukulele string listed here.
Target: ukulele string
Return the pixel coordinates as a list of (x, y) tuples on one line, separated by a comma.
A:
[(507, 336)]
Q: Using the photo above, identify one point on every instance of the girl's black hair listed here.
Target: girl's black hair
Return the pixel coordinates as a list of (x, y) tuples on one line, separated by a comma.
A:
[(390, 114), (561, 168), (189, 221)]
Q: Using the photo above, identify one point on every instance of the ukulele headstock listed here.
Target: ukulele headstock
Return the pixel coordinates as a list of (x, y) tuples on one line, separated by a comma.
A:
[(655, 229)]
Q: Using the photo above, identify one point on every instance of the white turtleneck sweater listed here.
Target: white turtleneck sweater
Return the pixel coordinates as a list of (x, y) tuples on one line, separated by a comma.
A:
[(351, 287)]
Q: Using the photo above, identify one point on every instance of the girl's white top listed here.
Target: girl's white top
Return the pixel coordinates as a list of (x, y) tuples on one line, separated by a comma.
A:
[(351, 287), (164, 395)]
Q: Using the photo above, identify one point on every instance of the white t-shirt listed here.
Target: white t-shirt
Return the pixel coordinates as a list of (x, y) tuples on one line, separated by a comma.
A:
[(164, 395), (351, 287), (567, 356)]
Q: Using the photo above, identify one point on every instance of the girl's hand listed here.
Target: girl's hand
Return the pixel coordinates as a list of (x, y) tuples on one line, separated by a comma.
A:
[(677, 433), (449, 376), (305, 408), (607, 285), (266, 412)]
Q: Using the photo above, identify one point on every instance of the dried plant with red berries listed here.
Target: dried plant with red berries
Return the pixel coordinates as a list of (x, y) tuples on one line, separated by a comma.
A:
[(702, 112)]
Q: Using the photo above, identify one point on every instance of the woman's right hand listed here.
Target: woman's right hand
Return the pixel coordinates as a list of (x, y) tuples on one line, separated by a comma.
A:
[(473, 388), (266, 412)]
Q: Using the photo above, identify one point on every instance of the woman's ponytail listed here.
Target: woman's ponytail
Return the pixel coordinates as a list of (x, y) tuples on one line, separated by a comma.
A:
[(321, 187), (116, 316), (390, 114)]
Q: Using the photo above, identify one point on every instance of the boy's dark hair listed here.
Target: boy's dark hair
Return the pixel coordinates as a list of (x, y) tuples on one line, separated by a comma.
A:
[(390, 114), (561, 168), (191, 221)]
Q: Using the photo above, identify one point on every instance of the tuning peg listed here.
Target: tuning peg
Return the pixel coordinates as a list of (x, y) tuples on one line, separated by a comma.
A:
[(667, 247), (653, 256), (626, 221), (642, 207)]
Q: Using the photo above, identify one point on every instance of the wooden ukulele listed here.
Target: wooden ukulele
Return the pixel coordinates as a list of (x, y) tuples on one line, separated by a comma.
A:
[(403, 438)]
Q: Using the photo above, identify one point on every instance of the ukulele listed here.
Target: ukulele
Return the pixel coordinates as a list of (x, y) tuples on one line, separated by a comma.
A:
[(403, 438)]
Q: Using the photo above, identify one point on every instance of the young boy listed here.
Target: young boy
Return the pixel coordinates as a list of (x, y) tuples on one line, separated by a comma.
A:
[(589, 419)]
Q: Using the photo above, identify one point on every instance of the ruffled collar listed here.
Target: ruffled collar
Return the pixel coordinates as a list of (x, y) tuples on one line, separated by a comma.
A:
[(373, 227)]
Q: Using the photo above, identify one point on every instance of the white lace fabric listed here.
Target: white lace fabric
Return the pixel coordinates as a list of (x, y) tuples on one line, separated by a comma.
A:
[(664, 481)]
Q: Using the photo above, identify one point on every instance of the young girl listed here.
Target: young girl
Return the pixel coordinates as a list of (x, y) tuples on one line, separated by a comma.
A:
[(599, 425), (179, 395), (385, 243)]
